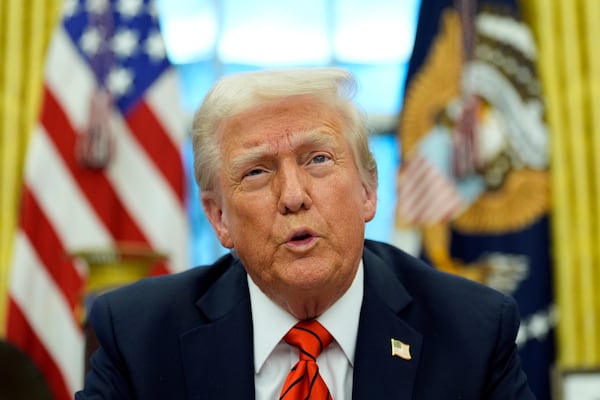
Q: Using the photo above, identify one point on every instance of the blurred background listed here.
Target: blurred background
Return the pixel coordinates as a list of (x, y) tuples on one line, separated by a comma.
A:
[(484, 118)]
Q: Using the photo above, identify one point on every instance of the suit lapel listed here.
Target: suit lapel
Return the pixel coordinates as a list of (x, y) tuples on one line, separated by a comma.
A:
[(377, 373), (220, 352)]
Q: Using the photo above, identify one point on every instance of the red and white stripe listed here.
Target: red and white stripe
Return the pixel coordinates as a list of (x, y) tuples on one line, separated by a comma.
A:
[(425, 194), (139, 197)]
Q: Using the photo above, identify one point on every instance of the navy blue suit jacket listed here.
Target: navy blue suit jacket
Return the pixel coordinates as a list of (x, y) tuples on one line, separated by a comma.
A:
[(189, 336)]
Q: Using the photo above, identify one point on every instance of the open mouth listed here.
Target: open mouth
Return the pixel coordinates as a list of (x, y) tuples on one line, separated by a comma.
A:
[(300, 237)]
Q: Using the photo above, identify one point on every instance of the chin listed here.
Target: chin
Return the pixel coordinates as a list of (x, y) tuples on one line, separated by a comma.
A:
[(303, 276), (310, 289)]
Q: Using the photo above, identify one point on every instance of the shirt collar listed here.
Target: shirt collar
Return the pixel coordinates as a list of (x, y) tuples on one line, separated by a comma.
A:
[(271, 322)]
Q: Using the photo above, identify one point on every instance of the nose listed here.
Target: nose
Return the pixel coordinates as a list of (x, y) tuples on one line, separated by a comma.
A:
[(293, 195)]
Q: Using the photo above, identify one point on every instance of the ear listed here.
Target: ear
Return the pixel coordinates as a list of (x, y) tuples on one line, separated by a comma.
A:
[(211, 202), (369, 203)]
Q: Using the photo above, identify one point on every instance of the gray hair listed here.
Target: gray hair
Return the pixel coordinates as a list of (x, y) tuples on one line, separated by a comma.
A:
[(234, 94)]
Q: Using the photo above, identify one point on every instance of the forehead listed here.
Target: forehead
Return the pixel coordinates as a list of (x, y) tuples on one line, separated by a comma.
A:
[(281, 117)]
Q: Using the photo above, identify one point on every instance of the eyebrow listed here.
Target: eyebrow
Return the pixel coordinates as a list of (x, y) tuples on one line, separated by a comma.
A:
[(312, 138)]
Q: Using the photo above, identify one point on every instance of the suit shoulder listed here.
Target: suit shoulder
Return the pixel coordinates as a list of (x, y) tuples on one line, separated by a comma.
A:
[(427, 284), (158, 291)]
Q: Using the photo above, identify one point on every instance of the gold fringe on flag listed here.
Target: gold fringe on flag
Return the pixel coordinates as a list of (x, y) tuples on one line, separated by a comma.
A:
[(25, 28), (567, 34)]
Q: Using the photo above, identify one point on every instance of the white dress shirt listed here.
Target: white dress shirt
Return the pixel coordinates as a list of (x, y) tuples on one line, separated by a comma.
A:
[(273, 358)]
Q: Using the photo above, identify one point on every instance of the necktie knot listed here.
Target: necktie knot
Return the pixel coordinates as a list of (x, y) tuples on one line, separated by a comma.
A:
[(310, 337)]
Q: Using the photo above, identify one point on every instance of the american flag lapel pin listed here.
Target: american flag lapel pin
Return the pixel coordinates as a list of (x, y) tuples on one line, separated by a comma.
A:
[(401, 349)]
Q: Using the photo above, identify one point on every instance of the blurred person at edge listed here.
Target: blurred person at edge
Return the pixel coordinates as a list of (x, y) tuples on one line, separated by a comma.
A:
[(288, 183)]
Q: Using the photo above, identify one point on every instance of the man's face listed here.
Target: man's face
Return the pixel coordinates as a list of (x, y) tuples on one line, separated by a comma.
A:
[(291, 202)]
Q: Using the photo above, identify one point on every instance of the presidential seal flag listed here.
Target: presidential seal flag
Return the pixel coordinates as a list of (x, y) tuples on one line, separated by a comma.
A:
[(104, 167), (473, 186)]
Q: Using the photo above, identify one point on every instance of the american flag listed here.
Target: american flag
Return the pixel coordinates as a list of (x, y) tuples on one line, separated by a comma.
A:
[(425, 194), (103, 167)]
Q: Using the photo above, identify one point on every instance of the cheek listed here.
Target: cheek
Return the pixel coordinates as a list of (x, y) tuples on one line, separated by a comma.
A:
[(343, 208), (249, 216), (345, 194)]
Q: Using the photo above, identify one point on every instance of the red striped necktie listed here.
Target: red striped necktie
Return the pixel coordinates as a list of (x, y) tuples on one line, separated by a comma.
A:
[(304, 381)]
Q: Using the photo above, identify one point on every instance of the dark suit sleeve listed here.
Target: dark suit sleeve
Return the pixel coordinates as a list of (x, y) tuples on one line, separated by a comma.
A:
[(108, 377), (506, 377)]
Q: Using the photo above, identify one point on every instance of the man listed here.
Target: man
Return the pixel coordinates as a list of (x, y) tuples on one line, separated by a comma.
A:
[(288, 184)]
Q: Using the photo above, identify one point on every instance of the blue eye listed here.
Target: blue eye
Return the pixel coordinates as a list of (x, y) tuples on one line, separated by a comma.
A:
[(321, 158), (254, 172)]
